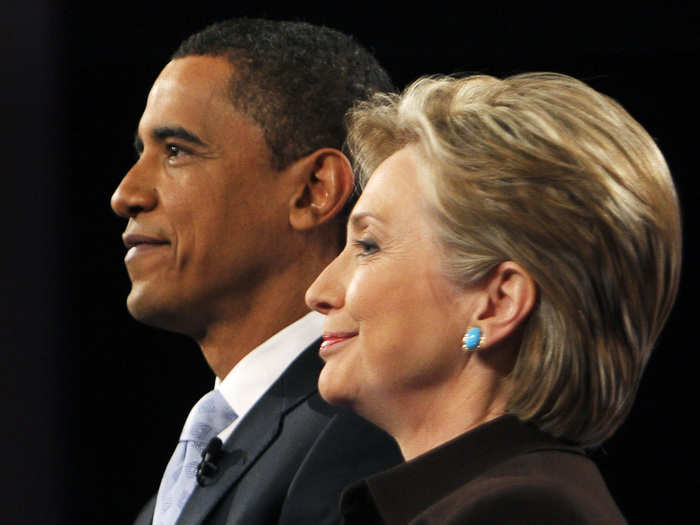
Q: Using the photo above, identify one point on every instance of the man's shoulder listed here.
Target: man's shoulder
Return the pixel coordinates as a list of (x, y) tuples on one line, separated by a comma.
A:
[(335, 430), (298, 452), (347, 449), (292, 455)]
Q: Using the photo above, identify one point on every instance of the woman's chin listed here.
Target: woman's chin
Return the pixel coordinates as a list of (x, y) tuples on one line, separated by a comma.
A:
[(334, 392), (333, 397)]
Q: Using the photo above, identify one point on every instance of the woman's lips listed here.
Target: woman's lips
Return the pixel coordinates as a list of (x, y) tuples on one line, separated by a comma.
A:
[(331, 340)]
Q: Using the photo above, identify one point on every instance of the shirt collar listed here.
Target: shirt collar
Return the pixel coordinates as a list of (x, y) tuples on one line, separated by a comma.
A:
[(259, 369)]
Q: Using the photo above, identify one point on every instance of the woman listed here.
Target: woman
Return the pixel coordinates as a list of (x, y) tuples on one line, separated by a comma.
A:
[(509, 265)]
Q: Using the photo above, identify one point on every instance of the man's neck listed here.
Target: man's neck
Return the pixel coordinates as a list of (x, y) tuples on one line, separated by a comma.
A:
[(229, 340), (240, 326)]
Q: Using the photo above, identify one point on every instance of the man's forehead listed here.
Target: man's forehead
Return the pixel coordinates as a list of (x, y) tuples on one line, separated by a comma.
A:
[(200, 77), (190, 98), (189, 93)]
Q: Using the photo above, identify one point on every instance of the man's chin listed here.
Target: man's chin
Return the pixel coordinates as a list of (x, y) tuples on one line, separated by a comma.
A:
[(148, 310)]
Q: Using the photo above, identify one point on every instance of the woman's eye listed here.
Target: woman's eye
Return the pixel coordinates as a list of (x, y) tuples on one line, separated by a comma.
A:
[(366, 247)]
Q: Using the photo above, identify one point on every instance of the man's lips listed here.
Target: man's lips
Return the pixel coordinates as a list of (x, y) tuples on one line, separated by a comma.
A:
[(134, 239), (137, 243), (331, 339)]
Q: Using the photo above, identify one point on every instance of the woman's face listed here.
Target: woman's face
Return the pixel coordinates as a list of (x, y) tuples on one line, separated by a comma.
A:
[(392, 335)]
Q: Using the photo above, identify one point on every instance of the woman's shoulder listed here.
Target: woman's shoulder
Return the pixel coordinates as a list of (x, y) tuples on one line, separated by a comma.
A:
[(542, 487)]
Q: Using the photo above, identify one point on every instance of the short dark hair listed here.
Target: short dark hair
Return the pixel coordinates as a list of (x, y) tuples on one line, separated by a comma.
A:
[(294, 79)]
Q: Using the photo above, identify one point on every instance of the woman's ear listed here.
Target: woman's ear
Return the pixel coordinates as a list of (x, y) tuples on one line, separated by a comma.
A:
[(324, 183), (509, 297)]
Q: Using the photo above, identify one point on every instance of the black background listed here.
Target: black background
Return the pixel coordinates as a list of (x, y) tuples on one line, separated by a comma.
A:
[(92, 401)]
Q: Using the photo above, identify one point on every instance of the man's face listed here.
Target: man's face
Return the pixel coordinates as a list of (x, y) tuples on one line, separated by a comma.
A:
[(207, 213)]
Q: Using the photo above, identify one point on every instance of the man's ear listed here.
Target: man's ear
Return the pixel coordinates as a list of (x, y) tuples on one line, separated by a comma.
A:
[(509, 295), (324, 183)]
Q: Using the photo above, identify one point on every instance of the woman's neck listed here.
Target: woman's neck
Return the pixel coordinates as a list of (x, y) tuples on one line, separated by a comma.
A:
[(429, 417)]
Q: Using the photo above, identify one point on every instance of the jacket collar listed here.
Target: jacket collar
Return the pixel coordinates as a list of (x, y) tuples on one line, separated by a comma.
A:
[(262, 426), (401, 493)]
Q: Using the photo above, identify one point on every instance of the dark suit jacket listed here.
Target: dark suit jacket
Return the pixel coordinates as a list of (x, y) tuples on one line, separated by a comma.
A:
[(289, 458), (502, 472)]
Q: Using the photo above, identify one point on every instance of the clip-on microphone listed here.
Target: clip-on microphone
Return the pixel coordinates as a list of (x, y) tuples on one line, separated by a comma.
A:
[(207, 469)]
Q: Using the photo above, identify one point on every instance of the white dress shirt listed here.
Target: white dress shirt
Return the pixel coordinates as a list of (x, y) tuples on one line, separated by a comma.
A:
[(256, 372)]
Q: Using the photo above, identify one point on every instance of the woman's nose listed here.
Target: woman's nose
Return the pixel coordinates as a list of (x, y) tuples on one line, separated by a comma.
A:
[(327, 292)]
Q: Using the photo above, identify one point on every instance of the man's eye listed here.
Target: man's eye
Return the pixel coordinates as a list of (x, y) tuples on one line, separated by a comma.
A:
[(174, 150), (138, 148)]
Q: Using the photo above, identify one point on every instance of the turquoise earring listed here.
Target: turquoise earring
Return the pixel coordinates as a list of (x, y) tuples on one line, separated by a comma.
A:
[(473, 339)]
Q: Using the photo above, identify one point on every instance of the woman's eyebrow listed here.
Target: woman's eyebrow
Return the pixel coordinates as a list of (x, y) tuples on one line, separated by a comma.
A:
[(357, 219)]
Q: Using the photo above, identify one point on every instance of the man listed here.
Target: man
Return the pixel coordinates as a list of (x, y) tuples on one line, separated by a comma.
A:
[(235, 204)]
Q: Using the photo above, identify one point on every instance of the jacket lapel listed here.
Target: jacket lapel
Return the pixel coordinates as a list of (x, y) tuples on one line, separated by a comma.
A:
[(256, 432)]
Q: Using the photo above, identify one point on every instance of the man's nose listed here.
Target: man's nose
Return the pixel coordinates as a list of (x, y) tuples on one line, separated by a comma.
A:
[(135, 194)]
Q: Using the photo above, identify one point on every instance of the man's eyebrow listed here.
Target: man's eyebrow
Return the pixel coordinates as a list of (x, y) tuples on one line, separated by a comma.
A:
[(166, 132), (177, 132)]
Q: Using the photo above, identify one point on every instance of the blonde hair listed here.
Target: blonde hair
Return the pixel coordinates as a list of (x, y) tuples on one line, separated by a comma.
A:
[(543, 170)]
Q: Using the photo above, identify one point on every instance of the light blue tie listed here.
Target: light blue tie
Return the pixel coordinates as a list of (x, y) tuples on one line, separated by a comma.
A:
[(207, 418)]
